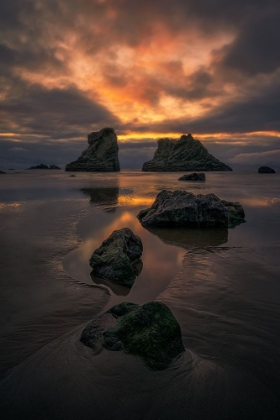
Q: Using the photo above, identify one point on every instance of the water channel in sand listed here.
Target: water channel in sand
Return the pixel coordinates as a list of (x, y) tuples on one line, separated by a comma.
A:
[(223, 286)]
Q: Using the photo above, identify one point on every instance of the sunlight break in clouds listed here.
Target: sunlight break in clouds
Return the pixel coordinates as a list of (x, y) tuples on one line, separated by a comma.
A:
[(147, 69)]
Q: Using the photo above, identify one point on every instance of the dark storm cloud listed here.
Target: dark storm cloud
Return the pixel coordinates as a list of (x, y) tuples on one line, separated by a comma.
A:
[(259, 112), (34, 40), (33, 153), (48, 112), (256, 49), (132, 154)]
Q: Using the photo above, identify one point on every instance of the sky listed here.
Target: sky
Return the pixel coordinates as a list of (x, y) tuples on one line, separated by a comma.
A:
[(149, 69)]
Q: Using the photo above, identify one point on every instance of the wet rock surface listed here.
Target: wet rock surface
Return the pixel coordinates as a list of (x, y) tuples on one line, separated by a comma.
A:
[(266, 170), (150, 332), (116, 259), (182, 208), (185, 154), (193, 177), (101, 154)]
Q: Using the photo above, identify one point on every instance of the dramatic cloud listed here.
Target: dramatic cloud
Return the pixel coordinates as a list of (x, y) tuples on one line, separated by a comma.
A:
[(145, 68)]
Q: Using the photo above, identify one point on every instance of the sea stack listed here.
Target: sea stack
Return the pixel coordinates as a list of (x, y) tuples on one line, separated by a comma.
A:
[(184, 154), (266, 170), (101, 154)]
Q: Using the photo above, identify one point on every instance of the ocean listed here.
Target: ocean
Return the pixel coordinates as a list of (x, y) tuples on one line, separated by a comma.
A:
[(222, 285)]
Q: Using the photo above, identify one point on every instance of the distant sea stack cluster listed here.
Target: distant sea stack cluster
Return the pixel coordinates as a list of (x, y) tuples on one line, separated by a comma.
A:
[(185, 154), (42, 166), (101, 154)]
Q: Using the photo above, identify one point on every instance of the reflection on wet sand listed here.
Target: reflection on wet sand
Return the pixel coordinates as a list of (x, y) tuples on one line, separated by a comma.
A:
[(136, 200), (103, 197), (117, 289), (161, 261), (191, 237)]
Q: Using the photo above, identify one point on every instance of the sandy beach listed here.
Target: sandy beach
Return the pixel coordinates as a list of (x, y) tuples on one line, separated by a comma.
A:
[(222, 285)]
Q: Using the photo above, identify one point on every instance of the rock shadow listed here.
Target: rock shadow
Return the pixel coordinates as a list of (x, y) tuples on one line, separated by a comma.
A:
[(187, 237), (105, 198), (117, 289)]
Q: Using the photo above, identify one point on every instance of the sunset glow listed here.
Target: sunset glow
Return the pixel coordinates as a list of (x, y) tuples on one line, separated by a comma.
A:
[(147, 70)]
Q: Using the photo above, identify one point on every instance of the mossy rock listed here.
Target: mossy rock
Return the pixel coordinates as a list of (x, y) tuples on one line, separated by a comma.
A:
[(116, 259), (150, 332)]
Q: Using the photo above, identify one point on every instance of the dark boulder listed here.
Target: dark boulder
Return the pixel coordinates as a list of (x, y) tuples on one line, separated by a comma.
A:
[(150, 332), (182, 208), (2, 172), (116, 258), (193, 177), (266, 170)]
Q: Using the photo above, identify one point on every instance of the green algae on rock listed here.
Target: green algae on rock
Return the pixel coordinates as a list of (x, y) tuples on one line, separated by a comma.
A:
[(150, 332), (116, 259), (182, 208)]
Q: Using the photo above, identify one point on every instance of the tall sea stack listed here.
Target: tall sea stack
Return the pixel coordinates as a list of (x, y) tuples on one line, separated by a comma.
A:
[(101, 154), (184, 154)]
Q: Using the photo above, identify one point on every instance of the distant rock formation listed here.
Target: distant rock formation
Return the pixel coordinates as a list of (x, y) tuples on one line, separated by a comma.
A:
[(101, 154), (116, 258), (266, 170), (2, 172), (150, 332), (42, 166), (185, 154), (193, 177), (54, 167), (182, 208)]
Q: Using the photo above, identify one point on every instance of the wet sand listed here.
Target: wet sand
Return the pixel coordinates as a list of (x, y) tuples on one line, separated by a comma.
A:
[(223, 287)]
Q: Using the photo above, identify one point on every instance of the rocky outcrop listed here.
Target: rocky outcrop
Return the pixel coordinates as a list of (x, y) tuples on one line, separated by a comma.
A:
[(150, 332), (185, 154), (116, 258), (54, 167), (2, 172), (266, 170), (193, 177), (101, 154), (42, 166), (182, 208)]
